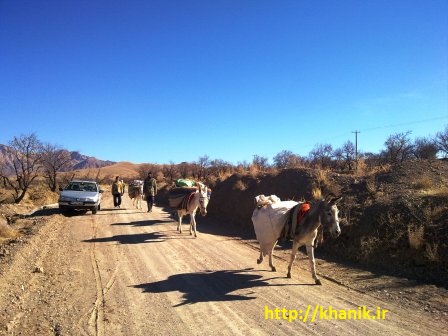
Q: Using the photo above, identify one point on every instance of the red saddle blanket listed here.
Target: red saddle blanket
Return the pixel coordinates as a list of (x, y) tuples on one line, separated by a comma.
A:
[(304, 208)]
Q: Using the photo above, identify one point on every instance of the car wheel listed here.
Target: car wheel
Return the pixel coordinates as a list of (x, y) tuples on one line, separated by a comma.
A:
[(95, 210)]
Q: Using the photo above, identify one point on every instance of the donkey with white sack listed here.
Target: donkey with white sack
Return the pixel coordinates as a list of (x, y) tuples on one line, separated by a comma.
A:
[(273, 217), (269, 219)]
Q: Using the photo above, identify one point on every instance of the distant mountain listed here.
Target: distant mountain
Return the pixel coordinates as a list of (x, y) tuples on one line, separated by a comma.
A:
[(78, 161), (5, 159)]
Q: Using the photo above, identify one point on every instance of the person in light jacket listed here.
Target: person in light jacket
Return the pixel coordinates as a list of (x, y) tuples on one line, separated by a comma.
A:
[(117, 191), (150, 190)]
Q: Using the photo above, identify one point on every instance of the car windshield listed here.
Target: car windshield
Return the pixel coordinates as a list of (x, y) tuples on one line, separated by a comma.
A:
[(82, 186)]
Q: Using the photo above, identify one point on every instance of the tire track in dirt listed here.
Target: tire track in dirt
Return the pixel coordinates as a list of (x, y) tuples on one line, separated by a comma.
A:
[(96, 320)]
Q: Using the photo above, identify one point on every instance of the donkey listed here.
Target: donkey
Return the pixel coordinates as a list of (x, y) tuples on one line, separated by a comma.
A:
[(198, 199), (322, 212), (135, 191)]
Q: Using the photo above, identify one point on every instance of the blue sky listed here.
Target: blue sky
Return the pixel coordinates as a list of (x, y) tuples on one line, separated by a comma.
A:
[(161, 81)]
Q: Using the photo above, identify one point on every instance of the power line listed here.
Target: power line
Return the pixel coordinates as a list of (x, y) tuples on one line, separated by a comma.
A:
[(404, 124), (331, 138)]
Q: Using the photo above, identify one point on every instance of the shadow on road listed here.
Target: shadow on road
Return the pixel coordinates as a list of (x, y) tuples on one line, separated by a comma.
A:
[(142, 223), (209, 285), (153, 237), (45, 212), (214, 226)]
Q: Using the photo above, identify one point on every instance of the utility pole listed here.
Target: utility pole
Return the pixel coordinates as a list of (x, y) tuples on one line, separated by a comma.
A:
[(356, 149)]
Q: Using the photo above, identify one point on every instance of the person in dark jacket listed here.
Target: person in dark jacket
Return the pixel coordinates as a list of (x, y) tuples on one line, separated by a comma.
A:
[(150, 190)]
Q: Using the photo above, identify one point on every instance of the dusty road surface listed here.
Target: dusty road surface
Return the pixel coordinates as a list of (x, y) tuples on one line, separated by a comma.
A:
[(127, 272)]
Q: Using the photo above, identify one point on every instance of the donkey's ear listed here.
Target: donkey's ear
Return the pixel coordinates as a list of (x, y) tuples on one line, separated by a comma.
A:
[(335, 200), (329, 198)]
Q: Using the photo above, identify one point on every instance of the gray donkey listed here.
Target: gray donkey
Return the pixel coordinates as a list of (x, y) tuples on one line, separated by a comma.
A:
[(322, 212)]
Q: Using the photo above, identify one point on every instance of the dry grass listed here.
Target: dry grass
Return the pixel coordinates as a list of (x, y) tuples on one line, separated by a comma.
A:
[(322, 177), (6, 232), (438, 191), (432, 252), (416, 236), (365, 170), (368, 247), (224, 175), (424, 182), (254, 171)]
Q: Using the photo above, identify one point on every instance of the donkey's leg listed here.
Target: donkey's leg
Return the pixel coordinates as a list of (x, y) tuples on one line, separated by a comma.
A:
[(273, 269), (260, 259), (193, 224), (179, 223), (295, 247), (310, 252)]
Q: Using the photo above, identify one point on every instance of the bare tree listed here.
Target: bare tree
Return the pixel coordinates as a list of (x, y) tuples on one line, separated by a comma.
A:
[(170, 170), (322, 155), (55, 160), (441, 141), (260, 162), (219, 167), (184, 169), (243, 166), (345, 156), (144, 169), (398, 147), (425, 148), (281, 159), (202, 165), (26, 154)]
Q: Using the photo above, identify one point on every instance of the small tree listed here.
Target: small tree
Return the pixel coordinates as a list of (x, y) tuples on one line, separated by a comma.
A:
[(26, 155), (398, 148), (55, 160), (202, 165), (184, 169), (260, 162), (425, 148), (322, 155), (170, 170), (219, 167), (243, 166), (345, 156), (441, 141)]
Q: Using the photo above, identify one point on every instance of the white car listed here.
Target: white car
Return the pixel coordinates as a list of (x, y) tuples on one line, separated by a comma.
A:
[(82, 195)]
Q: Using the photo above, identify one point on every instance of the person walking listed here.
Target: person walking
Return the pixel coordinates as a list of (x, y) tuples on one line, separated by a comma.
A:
[(117, 190), (150, 190)]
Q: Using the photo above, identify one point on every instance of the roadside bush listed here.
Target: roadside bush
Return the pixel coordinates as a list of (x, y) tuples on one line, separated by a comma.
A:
[(6, 232)]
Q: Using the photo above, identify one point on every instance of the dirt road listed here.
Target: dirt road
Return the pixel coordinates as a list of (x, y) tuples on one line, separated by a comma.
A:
[(127, 272)]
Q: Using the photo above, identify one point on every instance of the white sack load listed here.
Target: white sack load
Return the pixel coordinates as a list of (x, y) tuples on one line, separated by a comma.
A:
[(262, 200), (269, 221)]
